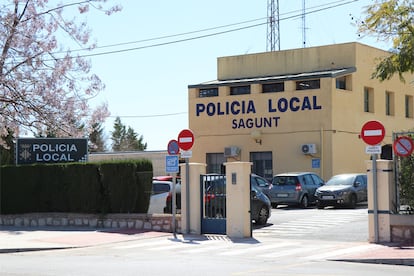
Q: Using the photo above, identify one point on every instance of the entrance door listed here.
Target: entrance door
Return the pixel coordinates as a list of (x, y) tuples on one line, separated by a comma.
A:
[(213, 207)]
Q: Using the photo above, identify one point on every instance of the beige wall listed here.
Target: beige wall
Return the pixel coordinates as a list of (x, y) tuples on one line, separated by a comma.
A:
[(157, 158), (287, 61), (334, 128)]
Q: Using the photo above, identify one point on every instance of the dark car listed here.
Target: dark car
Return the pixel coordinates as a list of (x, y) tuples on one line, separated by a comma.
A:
[(261, 183), (215, 200), (343, 189), (295, 188)]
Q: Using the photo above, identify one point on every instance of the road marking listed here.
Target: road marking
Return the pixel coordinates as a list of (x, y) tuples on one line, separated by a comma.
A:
[(258, 248), (150, 243), (293, 251), (343, 251)]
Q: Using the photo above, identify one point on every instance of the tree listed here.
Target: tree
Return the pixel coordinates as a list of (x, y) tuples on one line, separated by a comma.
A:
[(44, 86), (392, 20), (126, 139), (118, 135), (7, 150), (406, 180), (96, 138)]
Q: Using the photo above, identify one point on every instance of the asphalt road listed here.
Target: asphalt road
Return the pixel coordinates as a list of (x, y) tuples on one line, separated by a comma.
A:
[(295, 242), (335, 224)]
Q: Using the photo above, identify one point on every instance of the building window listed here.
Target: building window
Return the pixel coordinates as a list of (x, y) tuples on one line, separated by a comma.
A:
[(308, 84), (389, 103), (240, 90), (208, 92), (408, 106), (273, 87), (343, 83), (215, 163), (368, 99), (262, 164)]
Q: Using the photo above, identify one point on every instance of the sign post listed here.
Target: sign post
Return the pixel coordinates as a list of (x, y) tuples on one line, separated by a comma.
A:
[(185, 142), (171, 166), (373, 132)]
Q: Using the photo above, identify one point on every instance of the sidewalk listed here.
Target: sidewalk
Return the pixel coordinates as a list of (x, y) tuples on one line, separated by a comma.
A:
[(392, 254), (34, 239)]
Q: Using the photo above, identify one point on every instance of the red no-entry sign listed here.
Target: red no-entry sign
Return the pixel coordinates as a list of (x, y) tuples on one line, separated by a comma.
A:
[(185, 139), (373, 132), (403, 146)]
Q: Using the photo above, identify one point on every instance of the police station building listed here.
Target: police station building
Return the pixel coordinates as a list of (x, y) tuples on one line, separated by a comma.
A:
[(297, 110)]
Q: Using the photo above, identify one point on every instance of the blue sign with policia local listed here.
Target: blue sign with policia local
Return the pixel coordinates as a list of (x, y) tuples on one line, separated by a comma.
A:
[(51, 150)]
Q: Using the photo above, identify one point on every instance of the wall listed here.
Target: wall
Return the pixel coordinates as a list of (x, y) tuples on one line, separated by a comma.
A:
[(287, 61), (386, 225), (159, 222)]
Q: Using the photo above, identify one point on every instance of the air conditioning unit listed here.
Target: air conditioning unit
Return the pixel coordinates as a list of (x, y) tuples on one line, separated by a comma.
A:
[(308, 148), (231, 151)]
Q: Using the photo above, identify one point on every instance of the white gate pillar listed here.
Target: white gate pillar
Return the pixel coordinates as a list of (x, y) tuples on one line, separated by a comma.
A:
[(385, 199), (191, 224), (238, 220)]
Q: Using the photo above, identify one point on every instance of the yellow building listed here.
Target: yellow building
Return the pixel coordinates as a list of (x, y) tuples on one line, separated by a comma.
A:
[(297, 110)]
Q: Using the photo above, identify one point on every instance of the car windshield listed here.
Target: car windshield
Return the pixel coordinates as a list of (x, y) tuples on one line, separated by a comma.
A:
[(340, 180), (284, 180)]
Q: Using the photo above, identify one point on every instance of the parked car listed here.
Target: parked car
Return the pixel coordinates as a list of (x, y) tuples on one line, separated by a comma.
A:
[(167, 178), (342, 189), (161, 197), (260, 206), (261, 183), (215, 200), (295, 188)]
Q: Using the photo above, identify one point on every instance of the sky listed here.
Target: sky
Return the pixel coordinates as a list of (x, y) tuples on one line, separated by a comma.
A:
[(147, 82)]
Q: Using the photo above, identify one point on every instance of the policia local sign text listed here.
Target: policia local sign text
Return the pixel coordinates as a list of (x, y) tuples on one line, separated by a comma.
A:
[(51, 150)]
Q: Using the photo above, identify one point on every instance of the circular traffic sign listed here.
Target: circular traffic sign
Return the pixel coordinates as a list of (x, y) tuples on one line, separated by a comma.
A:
[(185, 139), (403, 146), (173, 147), (373, 132)]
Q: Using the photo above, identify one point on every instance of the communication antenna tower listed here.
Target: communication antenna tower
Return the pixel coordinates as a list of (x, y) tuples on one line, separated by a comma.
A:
[(273, 29), (303, 24)]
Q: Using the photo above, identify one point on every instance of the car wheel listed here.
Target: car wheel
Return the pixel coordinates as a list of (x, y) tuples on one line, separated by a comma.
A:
[(304, 202), (262, 216), (352, 201)]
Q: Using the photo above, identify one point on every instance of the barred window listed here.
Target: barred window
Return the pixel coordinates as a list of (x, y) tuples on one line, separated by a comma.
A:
[(208, 92), (273, 87), (308, 84), (240, 90)]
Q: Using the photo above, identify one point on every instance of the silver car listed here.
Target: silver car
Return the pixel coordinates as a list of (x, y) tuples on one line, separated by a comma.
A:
[(295, 188), (343, 189)]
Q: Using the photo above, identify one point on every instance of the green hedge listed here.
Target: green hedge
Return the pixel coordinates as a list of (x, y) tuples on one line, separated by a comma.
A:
[(107, 187)]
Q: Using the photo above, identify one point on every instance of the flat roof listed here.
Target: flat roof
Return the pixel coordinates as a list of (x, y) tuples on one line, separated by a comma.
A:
[(332, 73)]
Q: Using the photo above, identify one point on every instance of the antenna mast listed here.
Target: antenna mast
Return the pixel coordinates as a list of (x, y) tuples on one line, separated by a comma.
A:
[(303, 24), (273, 29)]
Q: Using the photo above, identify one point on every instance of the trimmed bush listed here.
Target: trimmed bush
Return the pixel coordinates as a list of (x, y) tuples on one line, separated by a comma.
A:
[(114, 187)]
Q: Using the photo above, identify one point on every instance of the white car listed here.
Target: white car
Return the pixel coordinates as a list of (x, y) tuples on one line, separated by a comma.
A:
[(160, 200)]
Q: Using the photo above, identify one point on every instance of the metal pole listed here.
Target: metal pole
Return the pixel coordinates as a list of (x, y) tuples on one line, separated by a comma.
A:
[(173, 203), (375, 190), (395, 159), (187, 195)]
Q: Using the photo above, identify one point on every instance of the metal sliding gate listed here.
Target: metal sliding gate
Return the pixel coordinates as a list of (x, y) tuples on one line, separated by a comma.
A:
[(213, 207)]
